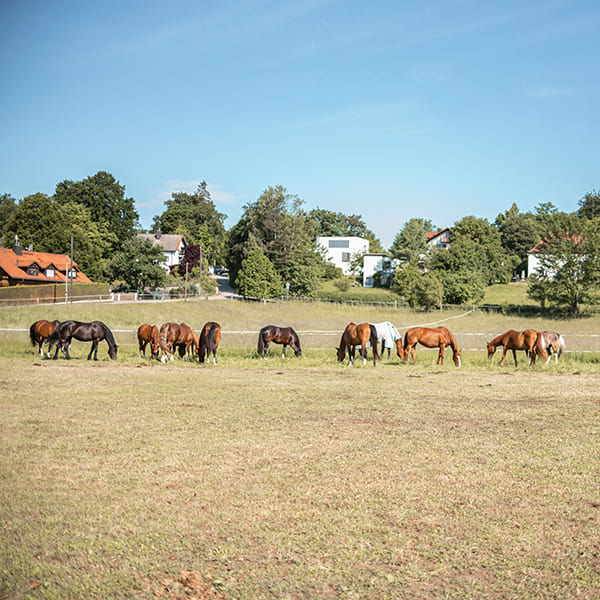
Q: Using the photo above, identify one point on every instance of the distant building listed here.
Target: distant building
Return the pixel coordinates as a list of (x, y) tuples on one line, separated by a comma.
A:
[(26, 267), (172, 246), (378, 262), (439, 240), (338, 250)]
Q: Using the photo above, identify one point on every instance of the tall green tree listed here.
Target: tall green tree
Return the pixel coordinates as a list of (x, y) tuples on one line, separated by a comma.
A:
[(589, 206), (257, 277), (196, 217), (569, 272), (139, 264), (519, 232), (8, 205), (410, 242), (277, 225), (105, 199)]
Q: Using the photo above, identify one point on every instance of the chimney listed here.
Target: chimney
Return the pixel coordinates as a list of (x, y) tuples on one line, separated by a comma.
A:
[(17, 248), (158, 234)]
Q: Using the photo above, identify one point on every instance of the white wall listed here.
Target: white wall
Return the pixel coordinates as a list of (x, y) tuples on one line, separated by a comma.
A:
[(338, 250)]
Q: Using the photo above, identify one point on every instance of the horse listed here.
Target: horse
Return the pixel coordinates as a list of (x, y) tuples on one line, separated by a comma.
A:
[(174, 337), (358, 335), (210, 336), (553, 343), (528, 340), (436, 337), (389, 336), (148, 334), (280, 335), (96, 331), (40, 332)]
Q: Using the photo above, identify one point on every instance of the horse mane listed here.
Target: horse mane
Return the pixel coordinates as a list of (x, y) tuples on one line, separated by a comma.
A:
[(296, 338), (108, 335)]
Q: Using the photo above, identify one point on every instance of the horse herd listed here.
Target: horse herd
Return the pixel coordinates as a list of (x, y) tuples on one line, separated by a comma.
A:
[(180, 338)]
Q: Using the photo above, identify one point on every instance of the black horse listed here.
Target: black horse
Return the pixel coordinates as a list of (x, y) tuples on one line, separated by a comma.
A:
[(96, 331), (280, 335)]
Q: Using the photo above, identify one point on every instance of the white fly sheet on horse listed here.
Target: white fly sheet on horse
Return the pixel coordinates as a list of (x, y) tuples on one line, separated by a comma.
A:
[(387, 333)]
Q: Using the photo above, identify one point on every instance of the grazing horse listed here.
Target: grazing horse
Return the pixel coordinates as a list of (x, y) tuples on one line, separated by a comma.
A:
[(528, 340), (210, 336), (553, 343), (40, 332), (280, 335), (436, 337), (174, 337), (148, 334), (358, 335), (389, 337), (96, 331)]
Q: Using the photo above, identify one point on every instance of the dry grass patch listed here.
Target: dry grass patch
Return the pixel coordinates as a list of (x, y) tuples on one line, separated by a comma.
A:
[(274, 482)]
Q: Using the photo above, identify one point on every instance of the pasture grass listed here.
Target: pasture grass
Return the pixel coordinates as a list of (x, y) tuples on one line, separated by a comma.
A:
[(277, 480)]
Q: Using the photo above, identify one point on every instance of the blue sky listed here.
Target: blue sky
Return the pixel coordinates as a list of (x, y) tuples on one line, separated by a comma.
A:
[(390, 110)]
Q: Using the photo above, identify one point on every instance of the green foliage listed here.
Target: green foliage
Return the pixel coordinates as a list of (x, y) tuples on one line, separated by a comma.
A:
[(427, 290), (8, 205), (519, 232), (335, 224), (569, 267), (196, 217), (404, 278), (139, 265), (589, 206), (462, 287), (410, 242), (343, 284), (257, 277)]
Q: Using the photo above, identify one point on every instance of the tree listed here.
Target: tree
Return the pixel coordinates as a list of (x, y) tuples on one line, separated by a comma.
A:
[(406, 274), (139, 265), (427, 290), (257, 277), (196, 217), (8, 205), (192, 254), (519, 232), (277, 225), (410, 242), (589, 206), (105, 199), (569, 272)]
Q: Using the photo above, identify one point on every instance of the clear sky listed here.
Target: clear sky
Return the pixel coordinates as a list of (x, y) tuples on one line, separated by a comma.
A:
[(386, 109)]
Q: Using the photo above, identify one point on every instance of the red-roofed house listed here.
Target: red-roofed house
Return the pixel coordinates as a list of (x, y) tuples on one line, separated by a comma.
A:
[(25, 267), (437, 240)]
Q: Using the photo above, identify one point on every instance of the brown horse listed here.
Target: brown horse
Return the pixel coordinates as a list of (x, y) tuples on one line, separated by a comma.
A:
[(528, 340), (174, 337), (148, 334), (94, 332), (41, 331), (210, 336), (280, 335), (436, 337), (553, 343), (358, 335)]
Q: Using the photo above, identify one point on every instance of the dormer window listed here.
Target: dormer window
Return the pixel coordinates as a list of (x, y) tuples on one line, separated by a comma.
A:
[(50, 272), (33, 270)]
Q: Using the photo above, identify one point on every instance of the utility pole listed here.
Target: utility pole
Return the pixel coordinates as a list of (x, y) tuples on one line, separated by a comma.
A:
[(71, 270)]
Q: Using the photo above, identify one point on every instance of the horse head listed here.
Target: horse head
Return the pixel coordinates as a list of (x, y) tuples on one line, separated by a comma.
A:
[(340, 354), (112, 351), (399, 349), (456, 357), (490, 350)]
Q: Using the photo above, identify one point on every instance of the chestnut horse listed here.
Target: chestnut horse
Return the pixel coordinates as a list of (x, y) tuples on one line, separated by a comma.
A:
[(173, 336), (41, 331), (148, 334), (553, 343), (280, 335), (436, 337), (210, 336), (528, 340), (358, 335)]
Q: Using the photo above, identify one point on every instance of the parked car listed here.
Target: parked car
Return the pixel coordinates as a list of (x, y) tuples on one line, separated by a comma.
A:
[(219, 270)]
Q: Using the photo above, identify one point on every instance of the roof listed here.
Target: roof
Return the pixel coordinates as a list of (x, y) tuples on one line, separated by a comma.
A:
[(169, 242), (433, 234), (541, 245), (15, 265)]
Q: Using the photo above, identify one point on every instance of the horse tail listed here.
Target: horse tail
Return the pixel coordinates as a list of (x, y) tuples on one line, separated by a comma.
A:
[(373, 341), (32, 334), (561, 345), (210, 338), (54, 338), (539, 346), (261, 344)]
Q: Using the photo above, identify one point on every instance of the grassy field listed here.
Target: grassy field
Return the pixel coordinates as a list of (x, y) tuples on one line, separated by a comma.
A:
[(301, 478)]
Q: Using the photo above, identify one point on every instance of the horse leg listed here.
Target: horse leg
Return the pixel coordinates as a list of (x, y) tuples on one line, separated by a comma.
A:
[(363, 352), (441, 354), (515, 356), (412, 353), (351, 351), (283, 353)]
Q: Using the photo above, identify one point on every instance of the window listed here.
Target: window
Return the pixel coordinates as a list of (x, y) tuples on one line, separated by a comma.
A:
[(345, 256), (339, 243), (50, 272), (33, 270)]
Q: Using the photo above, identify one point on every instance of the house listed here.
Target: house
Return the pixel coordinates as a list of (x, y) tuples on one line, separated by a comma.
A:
[(438, 240), (338, 250), (378, 262), (171, 244), (26, 267)]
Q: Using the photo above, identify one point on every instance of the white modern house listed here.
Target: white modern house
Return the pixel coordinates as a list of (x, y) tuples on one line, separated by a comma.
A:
[(172, 246), (378, 262), (338, 250)]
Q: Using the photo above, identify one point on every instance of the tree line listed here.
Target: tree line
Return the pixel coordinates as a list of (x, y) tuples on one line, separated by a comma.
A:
[(273, 245)]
